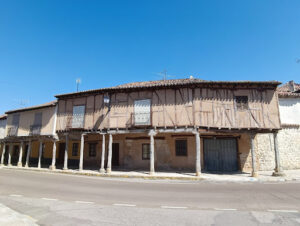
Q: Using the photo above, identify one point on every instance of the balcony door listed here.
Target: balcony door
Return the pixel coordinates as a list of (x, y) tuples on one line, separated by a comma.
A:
[(78, 116)]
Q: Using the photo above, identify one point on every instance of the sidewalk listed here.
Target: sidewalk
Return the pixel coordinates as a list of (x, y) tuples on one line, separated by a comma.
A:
[(290, 175), (10, 217)]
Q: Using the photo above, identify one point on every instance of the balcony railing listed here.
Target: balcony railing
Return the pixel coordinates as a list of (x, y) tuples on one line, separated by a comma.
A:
[(12, 131), (35, 130), (141, 119), (68, 121)]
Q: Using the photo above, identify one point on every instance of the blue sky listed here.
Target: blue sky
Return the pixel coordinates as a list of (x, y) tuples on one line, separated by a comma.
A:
[(46, 45)]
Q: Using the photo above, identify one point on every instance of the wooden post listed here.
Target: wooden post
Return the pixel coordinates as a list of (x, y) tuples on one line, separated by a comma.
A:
[(81, 152), (198, 153), (102, 170), (9, 154), (20, 154), (28, 154), (3, 154), (109, 157), (278, 171), (40, 154), (254, 170), (53, 167), (66, 153), (152, 133)]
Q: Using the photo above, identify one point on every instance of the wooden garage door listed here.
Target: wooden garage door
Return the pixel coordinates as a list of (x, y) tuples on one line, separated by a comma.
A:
[(220, 155)]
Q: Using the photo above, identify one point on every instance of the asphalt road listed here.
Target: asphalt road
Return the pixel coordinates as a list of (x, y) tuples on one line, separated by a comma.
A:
[(57, 199)]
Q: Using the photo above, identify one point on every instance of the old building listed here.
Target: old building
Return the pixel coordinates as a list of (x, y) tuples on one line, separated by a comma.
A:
[(181, 124), (2, 133), (288, 137), (29, 136)]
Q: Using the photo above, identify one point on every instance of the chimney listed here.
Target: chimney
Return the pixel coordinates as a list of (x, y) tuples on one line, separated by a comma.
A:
[(292, 86)]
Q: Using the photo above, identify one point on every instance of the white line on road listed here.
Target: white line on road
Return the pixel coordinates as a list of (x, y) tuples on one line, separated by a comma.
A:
[(220, 209), (15, 195), (284, 211), (50, 199), (174, 207), (84, 202), (124, 204)]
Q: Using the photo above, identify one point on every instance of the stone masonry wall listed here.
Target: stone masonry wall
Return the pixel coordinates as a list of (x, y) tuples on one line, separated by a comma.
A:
[(289, 149)]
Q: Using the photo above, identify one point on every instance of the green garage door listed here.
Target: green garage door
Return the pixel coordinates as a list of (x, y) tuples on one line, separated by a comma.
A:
[(220, 155)]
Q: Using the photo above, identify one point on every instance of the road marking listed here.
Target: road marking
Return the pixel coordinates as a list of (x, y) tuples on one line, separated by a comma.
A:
[(220, 209), (85, 202), (124, 204), (50, 199), (284, 211), (174, 207), (15, 195)]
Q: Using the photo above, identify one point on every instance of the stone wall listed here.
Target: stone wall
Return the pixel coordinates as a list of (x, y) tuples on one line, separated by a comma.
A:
[(289, 148)]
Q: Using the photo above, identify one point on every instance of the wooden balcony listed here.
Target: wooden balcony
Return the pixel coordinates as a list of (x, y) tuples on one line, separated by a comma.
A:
[(35, 130), (12, 131)]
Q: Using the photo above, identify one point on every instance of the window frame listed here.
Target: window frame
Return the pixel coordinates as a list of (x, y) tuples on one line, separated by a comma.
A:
[(76, 144), (241, 105), (179, 153), (143, 157), (90, 145)]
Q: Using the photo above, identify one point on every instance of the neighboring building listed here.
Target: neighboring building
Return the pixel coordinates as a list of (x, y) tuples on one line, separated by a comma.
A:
[(29, 134), (289, 136), (182, 124), (2, 131)]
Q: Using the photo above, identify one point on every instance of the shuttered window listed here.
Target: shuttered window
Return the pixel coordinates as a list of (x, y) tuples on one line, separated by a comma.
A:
[(181, 147), (146, 151), (142, 112), (78, 116), (38, 119), (16, 119)]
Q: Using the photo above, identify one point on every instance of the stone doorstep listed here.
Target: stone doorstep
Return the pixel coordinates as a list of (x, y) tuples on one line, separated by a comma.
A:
[(204, 176)]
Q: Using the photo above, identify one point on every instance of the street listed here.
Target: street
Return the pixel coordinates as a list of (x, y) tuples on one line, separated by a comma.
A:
[(58, 199)]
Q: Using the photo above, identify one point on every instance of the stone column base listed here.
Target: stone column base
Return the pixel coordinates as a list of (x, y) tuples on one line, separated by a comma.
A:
[(152, 173), (278, 174), (20, 164), (52, 167), (65, 168), (108, 170), (9, 165), (198, 174), (102, 170), (254, 174), (1, 164)]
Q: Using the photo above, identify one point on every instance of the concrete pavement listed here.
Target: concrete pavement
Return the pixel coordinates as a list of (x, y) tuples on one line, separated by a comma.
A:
[(57, 199)]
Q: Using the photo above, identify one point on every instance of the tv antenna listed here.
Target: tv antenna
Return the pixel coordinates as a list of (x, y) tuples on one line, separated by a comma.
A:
[(78, 81)]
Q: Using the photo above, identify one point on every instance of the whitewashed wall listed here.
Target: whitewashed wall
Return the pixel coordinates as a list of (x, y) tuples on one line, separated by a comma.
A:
[(289, 109), (2, 128)]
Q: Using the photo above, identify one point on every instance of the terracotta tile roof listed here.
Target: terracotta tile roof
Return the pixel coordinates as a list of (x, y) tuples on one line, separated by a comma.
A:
[(49, 104), (169, 83), (4, 116), (289, 89)]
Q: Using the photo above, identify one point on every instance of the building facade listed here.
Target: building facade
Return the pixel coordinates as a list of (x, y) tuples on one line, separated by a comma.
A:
[(29, 136), (182, 125)]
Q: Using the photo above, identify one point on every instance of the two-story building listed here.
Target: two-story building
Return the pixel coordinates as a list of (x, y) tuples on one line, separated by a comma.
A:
[(181, 125), (30, 136), (2, 133)]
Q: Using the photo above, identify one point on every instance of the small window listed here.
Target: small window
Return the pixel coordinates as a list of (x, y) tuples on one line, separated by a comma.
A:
[(146, 151), (241, 102), (75, 149), (92, 149), (181, 147)]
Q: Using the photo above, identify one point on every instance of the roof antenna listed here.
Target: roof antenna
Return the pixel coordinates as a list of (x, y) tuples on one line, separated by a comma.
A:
[(163, 74), (78, 81)]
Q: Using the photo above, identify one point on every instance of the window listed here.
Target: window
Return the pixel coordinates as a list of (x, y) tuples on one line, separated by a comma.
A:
[(142, 112), (181, 147), (78, 116), (75, 149), (146, 151), (92, 149), (241, 102), (38, 119)]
